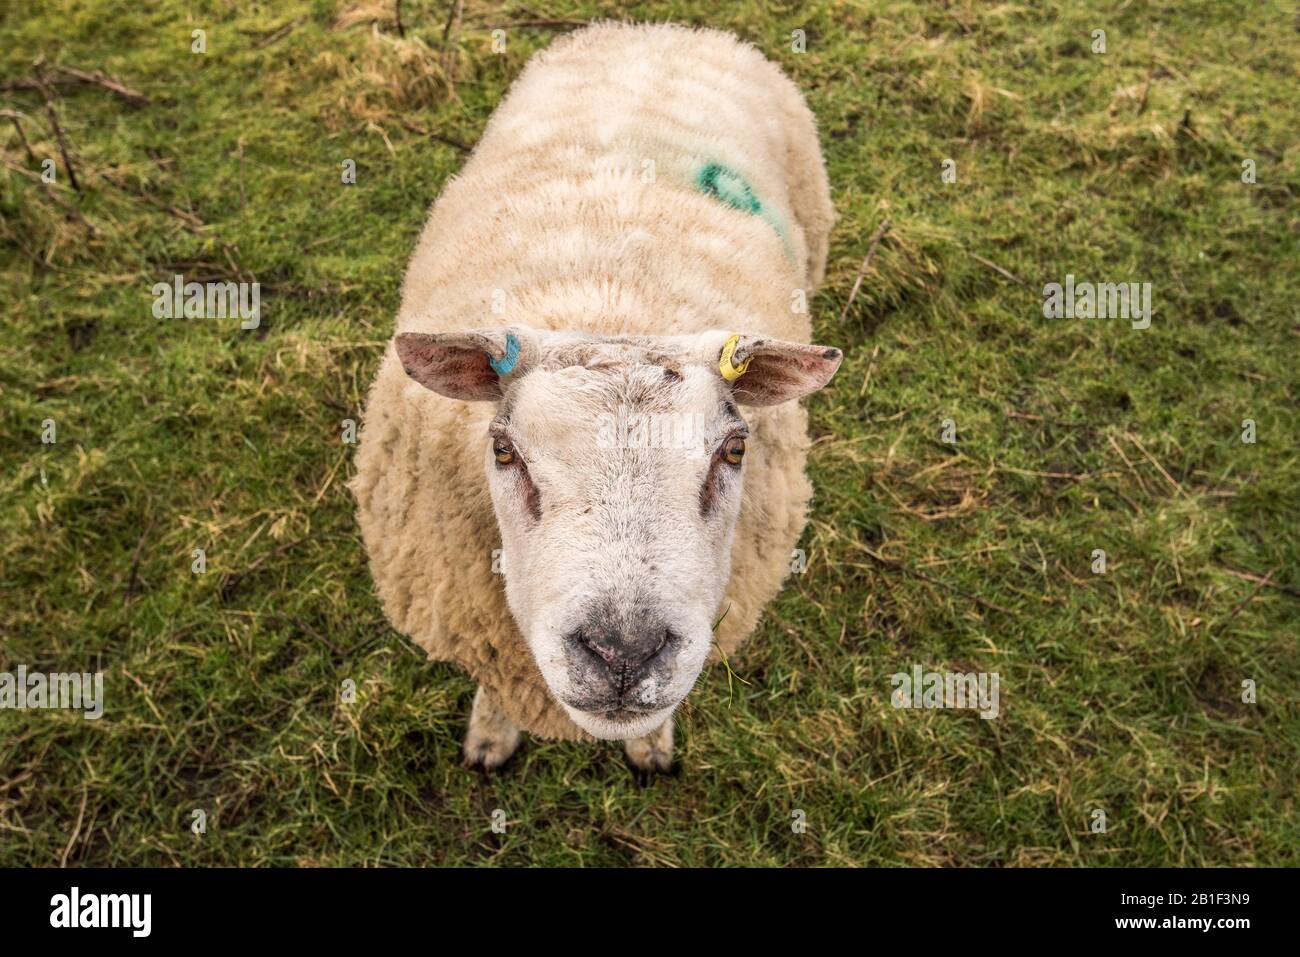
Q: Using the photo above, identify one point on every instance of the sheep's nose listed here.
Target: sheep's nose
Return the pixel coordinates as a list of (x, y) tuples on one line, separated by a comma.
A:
[(624, 655)]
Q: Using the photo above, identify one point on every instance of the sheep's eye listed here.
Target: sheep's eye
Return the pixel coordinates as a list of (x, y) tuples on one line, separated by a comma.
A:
[(504, 452), (733, 450)]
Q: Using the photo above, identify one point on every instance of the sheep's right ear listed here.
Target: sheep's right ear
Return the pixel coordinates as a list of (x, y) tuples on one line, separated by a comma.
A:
[(774, 370), (462, 365)]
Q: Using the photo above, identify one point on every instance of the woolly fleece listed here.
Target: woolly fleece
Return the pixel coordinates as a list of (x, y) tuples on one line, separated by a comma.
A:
[(560, 215)]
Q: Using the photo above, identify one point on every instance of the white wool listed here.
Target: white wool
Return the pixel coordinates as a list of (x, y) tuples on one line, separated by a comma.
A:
[(558, 220)]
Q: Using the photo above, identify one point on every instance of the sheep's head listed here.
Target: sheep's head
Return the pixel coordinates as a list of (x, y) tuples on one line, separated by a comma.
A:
[(615, 467)]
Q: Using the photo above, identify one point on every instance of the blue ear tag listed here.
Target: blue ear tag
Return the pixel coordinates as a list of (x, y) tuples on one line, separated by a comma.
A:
[(507, 365)]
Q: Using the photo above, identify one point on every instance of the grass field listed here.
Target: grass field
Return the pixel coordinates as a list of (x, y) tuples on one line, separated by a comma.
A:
[(1120, 692)]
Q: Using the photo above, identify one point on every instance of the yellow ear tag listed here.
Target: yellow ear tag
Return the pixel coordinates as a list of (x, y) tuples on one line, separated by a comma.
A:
[(729, 370)]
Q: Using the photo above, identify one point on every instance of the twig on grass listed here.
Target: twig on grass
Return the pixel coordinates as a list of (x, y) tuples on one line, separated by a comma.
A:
[(27, 251), (866, 263), (277, 35), (1136, 474), (1146, 92), (14, 116), (1248, 599), (233, 579), (440, 137), (1152, 459), (54, 123), (101, 79), (133, 577), (68, 208), (909, 570), (76, 831), (998, 269), (192, 222), (70, 75), (1262, 579), (306, 629)]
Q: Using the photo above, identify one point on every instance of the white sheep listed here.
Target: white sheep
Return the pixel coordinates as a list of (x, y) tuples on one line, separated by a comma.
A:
[(622, 263)]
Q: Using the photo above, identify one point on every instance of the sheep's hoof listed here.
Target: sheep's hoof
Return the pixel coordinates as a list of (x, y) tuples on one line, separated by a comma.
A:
[(489, 751), (652, 754), (492, 737)]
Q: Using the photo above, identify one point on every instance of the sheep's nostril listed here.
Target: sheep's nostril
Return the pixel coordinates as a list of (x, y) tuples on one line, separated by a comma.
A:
[(668, 641), (639, 663), (625, 657), (604, 651), (636, 654), (585, 647)]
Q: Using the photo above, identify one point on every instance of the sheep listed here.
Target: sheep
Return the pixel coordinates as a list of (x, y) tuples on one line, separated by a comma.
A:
[(626, 256)]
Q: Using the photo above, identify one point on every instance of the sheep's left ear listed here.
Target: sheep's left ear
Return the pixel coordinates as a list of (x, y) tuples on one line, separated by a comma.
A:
[(467, 365), (766, 371)]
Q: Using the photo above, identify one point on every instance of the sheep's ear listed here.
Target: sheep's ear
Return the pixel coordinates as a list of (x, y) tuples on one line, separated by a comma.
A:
[(766, 371), (462, 365)]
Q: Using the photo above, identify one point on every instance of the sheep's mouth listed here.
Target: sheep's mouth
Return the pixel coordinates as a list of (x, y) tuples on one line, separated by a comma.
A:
[(624, 715), (618, 722), (616, 712)]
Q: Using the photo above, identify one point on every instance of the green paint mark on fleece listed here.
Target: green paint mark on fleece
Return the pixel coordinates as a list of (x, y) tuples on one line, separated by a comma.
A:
[(728, 186), (725, 184)]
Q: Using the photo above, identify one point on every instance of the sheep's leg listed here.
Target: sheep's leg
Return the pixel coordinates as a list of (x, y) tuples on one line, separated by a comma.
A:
[(492, 737), (654, 751)]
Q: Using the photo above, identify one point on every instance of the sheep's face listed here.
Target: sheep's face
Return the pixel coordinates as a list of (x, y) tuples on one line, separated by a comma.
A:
[(615, 468)]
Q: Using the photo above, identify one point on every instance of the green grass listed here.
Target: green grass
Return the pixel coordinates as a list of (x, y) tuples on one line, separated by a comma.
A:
[(1119, 691)]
